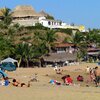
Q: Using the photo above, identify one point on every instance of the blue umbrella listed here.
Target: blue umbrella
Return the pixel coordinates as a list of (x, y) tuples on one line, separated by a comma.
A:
[(2, 74), (8, 66)]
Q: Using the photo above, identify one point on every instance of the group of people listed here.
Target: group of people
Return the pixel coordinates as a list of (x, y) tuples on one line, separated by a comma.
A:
[(66, 79), (94, 74), (5, 82)]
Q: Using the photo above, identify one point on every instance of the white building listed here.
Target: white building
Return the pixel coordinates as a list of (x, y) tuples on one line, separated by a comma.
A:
[(49, 23), (27, 16), (59, 24)]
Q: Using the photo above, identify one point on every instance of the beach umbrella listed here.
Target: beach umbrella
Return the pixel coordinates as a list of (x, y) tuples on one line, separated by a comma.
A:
[(8, 66), (2, 74), (9, 60)]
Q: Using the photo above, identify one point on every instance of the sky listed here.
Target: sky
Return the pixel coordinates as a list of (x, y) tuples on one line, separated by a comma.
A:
[(79, 12)]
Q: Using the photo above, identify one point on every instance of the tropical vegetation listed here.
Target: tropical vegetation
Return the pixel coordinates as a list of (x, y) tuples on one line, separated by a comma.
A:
[(29, 44)]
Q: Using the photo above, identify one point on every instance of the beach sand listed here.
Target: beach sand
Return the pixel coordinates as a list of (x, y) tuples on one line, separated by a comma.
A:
[(42, 90)]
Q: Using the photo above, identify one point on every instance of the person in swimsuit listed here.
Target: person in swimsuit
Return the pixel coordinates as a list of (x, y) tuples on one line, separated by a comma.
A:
[(16, 83), (97, 76)]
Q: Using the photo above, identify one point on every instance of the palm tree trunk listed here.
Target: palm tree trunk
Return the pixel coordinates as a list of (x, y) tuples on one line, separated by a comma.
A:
[(27, 63), (19, 62), (39, 63)]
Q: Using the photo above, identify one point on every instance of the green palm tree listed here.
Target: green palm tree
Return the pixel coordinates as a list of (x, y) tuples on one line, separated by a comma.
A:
[(37, 38), (43, 43), (5, 24), (39, 51), (6, 16), (92, 37), (23, 52), (78, 40), (6, 47), (49, 39)]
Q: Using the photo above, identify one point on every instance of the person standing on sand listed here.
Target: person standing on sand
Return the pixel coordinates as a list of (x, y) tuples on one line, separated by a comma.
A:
[(97, 76), (55, 67), (88, 70), (92, 76)]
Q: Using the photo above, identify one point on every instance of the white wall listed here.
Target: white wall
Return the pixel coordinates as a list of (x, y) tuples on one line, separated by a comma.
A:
[(28, 22), (44, 23)]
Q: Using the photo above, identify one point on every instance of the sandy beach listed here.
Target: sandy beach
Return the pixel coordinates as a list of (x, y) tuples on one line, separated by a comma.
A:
[(42, 90)]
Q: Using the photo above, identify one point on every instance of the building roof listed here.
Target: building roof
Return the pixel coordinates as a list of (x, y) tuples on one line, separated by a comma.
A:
[(1, 14), (24, 11), (57, 57), (93, 49), (43, 13), (63, 44)]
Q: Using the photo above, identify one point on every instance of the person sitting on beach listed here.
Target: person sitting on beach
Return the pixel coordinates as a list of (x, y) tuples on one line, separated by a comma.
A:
[(63, 78), (54, 82), (80, 78), (59, 71), (68, 80), (4, 81), (16, 83), (34, 78)]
